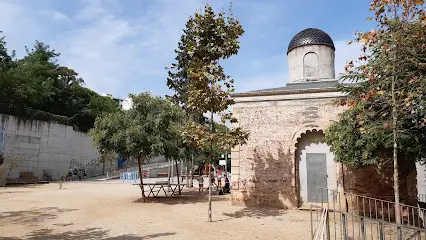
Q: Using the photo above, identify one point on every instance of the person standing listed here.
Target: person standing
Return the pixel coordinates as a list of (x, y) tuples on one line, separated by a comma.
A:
[(69, 176), (83, 173), (200, 183), (219, 177), (80, 174), (74, 174), (226, 188)]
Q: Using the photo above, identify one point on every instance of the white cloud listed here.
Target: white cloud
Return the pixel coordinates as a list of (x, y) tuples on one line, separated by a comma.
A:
[(18, 23), (107, 48), (55, 15), (117, 53), (112, 50)]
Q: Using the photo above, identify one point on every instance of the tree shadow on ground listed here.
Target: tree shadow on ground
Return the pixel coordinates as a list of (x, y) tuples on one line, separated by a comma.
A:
[(32, 216), (85, 234), (13, 192), (187, 197), (24, 185), (256, 212)]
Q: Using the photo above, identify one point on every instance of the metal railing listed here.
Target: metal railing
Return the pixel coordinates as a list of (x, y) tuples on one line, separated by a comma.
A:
[(319, 232), (129, 176), (373, 208), (117, 173), (345, 226)]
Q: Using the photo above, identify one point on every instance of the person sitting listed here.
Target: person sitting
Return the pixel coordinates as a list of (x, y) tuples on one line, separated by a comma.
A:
[(226, 188)]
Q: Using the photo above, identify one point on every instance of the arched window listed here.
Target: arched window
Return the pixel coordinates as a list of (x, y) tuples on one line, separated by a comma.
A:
[(310, 65)]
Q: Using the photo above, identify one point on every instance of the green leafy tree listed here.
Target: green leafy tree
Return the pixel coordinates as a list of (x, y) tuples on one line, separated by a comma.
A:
[(208, 39), (12, 162), (36, 87), (141, 132), (387, 105)]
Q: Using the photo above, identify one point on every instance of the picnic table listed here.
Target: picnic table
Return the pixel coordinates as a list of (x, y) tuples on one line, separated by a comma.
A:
[(174, 189)]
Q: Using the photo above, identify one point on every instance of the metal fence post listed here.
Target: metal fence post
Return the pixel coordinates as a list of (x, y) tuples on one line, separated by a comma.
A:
[(345, 234), (381, 231), (363, 233), (327, 225), (312, 224), (398, 233)]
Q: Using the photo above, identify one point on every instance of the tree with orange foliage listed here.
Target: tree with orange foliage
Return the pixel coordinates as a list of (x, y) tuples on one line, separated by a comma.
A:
[(387, 105)]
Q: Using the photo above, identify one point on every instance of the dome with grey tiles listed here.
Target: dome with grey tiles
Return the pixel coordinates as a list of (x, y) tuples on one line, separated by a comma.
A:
[(310, 36)]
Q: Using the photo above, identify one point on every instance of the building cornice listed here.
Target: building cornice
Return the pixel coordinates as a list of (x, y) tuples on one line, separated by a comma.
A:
[(282, 92)]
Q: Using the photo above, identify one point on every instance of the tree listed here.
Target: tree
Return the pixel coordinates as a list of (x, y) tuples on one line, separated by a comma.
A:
[(178, 81), (140, 132), (208, 39), (37, 87), (12, 162), (387, 108)]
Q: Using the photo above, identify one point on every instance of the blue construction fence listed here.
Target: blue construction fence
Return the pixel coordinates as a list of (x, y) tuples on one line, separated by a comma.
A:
[(129, 176)]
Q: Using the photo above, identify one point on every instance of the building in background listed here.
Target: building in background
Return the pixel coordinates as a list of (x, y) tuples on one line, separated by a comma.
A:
[(124, 103)]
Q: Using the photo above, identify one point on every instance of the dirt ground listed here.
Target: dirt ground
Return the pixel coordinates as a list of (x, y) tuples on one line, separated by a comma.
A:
[(111, 210)]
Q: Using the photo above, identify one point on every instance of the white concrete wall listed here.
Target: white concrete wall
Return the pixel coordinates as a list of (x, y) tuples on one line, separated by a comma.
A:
[(306, 145), (421, 178), (296, 59), (45, 145)]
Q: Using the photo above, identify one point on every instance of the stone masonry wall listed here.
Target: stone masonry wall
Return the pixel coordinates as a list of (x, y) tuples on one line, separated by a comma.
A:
[(263, 170)]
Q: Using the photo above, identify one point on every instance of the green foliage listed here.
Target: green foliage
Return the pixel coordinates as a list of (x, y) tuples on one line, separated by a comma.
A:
[(150, 128), (199, 81), (394, 53), (12, 162), (36, 87)]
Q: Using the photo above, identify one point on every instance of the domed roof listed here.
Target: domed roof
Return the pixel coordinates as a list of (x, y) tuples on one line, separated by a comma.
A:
[(310, 36)]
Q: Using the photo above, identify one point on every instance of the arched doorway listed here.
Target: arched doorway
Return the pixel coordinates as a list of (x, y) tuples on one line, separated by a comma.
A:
[(317, 170)]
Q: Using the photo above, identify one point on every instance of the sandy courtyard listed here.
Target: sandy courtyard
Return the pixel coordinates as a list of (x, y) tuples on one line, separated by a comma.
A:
[(110, 210)]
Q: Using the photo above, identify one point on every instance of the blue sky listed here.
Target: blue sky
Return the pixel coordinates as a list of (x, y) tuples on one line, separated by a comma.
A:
[(123, 46)]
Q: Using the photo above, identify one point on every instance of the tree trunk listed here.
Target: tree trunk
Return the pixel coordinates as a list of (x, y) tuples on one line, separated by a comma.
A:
[(395, 155), (191, 184), (5, 179), (181, 170), (187, 175), (211, 160), (210, 194), (168, 173), (177, 175), (171, 171), (140, 178), (103, 168)]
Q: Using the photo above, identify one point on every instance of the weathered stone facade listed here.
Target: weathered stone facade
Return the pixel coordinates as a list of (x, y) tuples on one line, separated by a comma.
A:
[(283, 165), (264, 172)]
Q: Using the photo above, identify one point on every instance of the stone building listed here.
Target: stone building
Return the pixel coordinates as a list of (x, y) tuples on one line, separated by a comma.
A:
[(282, 164)]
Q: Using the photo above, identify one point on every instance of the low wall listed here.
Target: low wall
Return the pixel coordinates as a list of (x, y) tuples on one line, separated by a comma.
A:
[(47, 149)]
